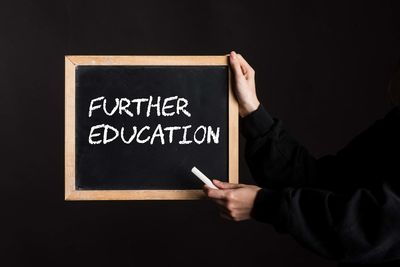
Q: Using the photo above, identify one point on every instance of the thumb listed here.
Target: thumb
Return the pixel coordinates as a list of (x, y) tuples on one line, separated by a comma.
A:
[(223, 185), (235, 65)]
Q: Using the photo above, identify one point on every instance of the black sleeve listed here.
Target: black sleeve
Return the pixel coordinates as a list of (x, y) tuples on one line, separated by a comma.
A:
[(344, 207), (275, 158), (358, 227)]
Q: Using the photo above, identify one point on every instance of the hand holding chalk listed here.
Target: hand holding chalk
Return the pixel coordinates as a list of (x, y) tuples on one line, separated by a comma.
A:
[(203, 178)]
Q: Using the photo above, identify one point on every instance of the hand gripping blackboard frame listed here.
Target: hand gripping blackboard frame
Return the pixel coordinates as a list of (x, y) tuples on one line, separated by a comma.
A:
[(71, 63)]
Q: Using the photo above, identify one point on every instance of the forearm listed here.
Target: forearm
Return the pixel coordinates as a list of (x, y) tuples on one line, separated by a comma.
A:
[(275, 159)]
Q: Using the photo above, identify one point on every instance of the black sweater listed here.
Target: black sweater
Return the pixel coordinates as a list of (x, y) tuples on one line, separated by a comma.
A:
[(344, 207)]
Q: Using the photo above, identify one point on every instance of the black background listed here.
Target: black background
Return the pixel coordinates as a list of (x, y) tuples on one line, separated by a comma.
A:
[(117, 165), (322, 67)]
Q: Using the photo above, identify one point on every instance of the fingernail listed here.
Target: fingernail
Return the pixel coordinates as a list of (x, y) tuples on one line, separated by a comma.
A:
[(233, 54)]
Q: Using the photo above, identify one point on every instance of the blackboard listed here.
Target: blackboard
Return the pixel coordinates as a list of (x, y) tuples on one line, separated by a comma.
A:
[(136, 125)]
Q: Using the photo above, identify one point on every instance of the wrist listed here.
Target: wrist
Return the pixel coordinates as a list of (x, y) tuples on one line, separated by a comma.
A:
[(248, 108)]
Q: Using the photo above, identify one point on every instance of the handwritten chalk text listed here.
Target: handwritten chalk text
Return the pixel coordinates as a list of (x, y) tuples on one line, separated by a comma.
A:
[(147, 107)]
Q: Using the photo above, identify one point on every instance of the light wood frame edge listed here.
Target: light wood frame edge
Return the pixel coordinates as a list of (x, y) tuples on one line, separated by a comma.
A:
[(69, 120), (70, 64)]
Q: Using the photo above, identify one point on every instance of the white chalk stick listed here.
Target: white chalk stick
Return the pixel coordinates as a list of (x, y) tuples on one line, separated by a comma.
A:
[(203, 178)]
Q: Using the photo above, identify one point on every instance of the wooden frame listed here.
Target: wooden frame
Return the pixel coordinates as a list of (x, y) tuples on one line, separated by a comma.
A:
[(71, 62)]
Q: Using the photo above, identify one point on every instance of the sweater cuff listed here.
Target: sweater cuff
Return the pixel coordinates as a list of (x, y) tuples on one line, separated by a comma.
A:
[(256, 123), (266, 206)]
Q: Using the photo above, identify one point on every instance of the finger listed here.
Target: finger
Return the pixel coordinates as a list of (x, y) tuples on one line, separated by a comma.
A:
[(235, 65), (215, 193), (247, 69), (243, 62), (223, 185), (206, 189)]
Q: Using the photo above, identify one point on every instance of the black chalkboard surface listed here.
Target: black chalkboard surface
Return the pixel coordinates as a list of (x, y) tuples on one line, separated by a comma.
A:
[(141, 124)]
